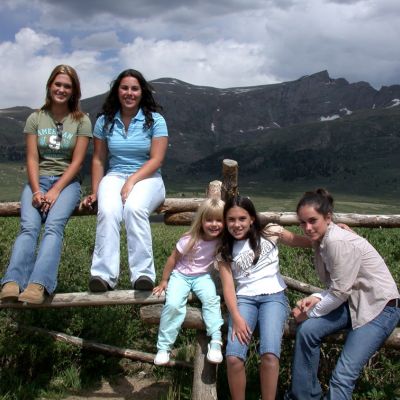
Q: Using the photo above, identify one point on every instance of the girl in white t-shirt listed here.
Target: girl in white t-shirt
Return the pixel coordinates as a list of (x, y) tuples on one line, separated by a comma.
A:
[(188, 269), (248, 260)]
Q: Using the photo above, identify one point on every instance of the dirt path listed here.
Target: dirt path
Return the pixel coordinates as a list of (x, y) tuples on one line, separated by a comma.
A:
[(126, 388), (141, 386)]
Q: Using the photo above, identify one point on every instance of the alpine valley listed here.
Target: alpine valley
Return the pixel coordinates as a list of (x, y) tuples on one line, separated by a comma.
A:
[(312, 131)]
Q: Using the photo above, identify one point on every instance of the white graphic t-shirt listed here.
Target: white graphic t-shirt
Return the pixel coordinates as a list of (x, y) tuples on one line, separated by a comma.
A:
[(261, 278)]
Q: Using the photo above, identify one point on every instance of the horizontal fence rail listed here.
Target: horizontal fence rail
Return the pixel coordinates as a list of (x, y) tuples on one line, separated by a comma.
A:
[(179, 211)]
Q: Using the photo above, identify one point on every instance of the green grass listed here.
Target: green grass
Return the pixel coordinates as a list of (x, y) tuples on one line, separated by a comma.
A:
[(33, 366), (12, 178), (343, 204)]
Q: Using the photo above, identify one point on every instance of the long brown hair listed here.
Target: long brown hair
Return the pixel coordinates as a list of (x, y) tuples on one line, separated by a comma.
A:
[(73, 102), (112, 104), (255, 231)]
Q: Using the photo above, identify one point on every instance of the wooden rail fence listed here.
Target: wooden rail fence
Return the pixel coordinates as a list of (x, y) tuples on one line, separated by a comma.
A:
[(180, 211)]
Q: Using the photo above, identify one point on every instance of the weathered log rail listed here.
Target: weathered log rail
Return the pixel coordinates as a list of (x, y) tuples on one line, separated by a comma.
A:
[(97, 347), (180, 211), (170, 205), (88, 299), (126, 297), (150, 314), (351, 219), (152, 305), (152, 302)]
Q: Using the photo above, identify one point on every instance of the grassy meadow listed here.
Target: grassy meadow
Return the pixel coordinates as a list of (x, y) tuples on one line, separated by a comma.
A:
[(36, 367)]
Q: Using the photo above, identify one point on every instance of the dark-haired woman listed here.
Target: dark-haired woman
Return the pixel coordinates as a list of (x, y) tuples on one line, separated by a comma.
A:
[(361, 296), (57, 137), (254, 292), (132, 137)]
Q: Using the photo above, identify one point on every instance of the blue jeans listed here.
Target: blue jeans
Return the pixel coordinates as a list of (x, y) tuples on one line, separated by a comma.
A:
[(174, 310), (360, 345), (270, 311), (144, 198), (25, 266)]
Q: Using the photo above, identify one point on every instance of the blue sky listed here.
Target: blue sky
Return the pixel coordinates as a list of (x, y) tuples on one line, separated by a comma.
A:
[(219, 43)]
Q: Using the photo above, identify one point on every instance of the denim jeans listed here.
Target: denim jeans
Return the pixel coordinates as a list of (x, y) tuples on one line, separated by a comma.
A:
[(144, 198), (174, 310), (360, 345), (270, 311), (25, 266)]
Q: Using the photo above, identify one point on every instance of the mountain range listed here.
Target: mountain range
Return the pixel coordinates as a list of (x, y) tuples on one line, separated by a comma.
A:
[(310, 131)]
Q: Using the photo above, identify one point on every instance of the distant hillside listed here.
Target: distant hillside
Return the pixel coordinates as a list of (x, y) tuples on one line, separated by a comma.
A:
[(313, 129), (357, 153)]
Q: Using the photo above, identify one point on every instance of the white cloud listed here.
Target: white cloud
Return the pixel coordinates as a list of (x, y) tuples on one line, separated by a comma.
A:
[(28, 42), (220, 64), (27, 62), (223, 44), (356, 40)]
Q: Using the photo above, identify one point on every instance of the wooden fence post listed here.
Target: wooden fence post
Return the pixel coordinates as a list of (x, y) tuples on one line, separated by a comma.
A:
[(230, 179), (205, 374), (214, 190), (185, 217)]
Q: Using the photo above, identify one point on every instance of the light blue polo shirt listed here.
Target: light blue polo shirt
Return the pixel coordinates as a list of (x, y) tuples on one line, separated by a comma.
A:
[(128, 151)]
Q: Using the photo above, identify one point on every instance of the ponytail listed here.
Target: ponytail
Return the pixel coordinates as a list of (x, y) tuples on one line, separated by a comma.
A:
[(320, 199)]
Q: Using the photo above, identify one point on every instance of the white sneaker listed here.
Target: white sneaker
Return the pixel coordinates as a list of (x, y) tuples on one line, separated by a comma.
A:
[(214, 354), (162, 357)]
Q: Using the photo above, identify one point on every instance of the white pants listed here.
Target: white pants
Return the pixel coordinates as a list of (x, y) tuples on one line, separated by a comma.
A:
[(144, 198)]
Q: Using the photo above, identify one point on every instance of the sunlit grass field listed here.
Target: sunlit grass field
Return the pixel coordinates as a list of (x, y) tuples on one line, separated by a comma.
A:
[(35, 367)]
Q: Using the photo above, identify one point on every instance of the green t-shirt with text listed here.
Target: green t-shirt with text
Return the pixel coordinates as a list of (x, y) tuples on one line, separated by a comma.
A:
[(55, 153)]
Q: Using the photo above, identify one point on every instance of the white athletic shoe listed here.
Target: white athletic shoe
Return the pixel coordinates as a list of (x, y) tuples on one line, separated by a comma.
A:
[(214, 354), (162, 357)]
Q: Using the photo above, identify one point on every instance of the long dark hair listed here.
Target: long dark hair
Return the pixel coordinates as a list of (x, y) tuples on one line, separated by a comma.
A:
[(254, 234), (147, 103), (320, 199), (73, 102)]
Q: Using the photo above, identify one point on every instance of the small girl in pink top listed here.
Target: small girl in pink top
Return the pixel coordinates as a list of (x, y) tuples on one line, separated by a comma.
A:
[(188, 269)]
